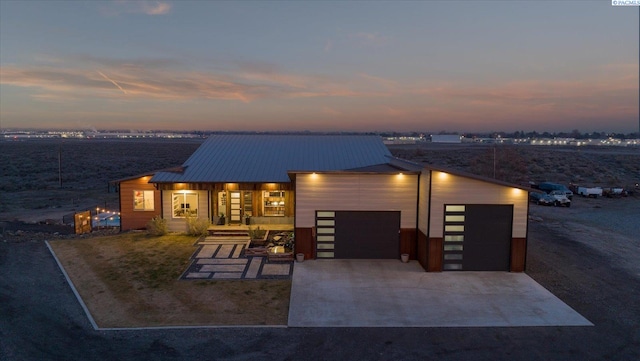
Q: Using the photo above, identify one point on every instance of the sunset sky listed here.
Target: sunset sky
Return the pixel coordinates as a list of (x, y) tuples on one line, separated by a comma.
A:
[(319, 66)]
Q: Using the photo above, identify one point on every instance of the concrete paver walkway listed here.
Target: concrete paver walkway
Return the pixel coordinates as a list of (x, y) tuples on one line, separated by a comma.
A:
[(220, 257), (389, 293)]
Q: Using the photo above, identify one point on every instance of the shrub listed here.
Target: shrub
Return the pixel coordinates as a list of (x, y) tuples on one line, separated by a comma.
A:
[(257, 233), (197, 226), (157, 226)]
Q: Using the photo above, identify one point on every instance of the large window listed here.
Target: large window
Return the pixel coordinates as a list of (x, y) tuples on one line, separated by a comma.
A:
[(185, 204), (273, 203), (143, 200)]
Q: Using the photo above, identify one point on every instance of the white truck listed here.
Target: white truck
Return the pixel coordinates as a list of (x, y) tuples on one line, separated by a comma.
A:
[(594, 192), (560, 198)]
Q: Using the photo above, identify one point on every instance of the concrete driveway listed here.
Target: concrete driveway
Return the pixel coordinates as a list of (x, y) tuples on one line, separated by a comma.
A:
[(389, 293)]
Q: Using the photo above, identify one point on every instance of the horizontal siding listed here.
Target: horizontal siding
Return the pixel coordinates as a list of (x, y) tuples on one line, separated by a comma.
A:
[(179, 224), (423, 202), (451, 189), (130, 219), (355, 192)]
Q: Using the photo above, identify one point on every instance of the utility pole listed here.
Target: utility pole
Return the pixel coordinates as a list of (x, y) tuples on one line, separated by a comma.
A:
[(494, 161), (60, 166)]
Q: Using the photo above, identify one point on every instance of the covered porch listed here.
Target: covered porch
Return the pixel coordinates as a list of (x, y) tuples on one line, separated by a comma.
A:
[(268, 205)]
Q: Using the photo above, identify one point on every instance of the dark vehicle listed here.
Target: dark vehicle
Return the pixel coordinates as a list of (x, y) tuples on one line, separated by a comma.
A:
[(550, 187), (542, 199)]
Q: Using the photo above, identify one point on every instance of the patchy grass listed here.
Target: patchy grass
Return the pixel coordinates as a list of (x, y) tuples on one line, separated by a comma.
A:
[(131, 280)]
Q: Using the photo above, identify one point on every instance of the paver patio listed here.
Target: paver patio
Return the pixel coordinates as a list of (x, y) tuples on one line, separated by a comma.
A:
[(223, 258)]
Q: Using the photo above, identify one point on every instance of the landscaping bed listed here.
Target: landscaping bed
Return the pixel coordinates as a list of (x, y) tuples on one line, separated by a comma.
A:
[(277, 245)]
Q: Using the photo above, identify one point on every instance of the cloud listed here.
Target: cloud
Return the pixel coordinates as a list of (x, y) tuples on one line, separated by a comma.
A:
[(369, 39), (394, 112), (330, 111), (156, 8), (328, 45), (388, 83), (115, 8), (607, 92), (157, 79)]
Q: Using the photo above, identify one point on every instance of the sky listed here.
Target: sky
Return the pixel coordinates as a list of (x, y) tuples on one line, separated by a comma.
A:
[(455, 66)]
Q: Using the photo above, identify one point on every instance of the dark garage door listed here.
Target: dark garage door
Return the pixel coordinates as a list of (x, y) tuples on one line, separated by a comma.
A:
[(485, 242), (367, 235)]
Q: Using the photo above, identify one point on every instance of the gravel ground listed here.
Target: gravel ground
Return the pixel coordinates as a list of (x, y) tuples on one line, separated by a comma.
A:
[(40, 318), (587, 255)]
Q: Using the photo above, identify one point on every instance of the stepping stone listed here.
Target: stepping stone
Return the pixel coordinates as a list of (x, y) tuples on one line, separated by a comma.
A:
[(226, 275), (237, 252), (224, 251), (272, 269), (242, 261), (254, 267), (223, 268), (207, 251), (198, 275)]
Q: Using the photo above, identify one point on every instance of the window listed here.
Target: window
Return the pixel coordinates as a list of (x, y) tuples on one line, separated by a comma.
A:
[(143, 200), (248, 203), (185, 204), (273, 203)]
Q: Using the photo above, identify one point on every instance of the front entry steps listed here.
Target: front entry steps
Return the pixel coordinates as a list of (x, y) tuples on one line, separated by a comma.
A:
[(227, 236)]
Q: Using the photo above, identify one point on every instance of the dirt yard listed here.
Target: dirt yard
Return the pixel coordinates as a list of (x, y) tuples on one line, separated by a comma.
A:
[(131, 280), (587, 255), (47, 179)]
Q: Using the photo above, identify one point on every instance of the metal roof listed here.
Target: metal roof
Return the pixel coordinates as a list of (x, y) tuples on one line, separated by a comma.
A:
[(478, 177), (239, 158)]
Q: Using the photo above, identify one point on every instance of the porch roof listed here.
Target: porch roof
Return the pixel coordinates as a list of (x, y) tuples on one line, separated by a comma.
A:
[(238, 158)]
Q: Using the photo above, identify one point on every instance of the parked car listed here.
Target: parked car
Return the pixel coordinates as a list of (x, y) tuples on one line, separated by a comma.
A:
[(549, 187), (560, 198), (543, 199)]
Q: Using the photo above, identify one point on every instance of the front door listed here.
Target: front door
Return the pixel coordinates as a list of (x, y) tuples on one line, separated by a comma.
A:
[(235, 215)]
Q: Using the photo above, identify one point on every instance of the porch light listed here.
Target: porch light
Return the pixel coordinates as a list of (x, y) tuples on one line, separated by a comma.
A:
[(442, 175), (516, 191)]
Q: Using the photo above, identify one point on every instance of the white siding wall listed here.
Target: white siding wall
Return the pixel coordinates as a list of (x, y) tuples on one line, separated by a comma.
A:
[(451, 189), (423, 202), (179, 224), (356, 192)]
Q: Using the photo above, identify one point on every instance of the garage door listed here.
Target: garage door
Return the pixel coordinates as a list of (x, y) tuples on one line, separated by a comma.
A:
[(358, 234), (477, 237)]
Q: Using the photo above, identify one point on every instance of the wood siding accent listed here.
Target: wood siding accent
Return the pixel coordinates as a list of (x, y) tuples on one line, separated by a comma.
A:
[(408, 242), (423, 202), (452, 189), (518, 254), (305, 242), (180, 224), (130, 219), (422, 248), (434, 254), (356, 192)]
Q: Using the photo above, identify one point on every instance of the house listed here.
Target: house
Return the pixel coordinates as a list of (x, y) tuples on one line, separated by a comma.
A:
[(345, 196)]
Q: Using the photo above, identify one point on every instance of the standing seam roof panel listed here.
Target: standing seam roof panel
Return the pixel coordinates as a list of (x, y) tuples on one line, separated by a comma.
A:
[(267, 158)]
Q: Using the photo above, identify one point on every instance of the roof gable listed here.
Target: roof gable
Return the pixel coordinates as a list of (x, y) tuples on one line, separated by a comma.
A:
[(267, 158)]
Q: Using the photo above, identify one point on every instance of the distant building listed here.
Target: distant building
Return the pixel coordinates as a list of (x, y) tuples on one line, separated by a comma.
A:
[(446, 138)]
